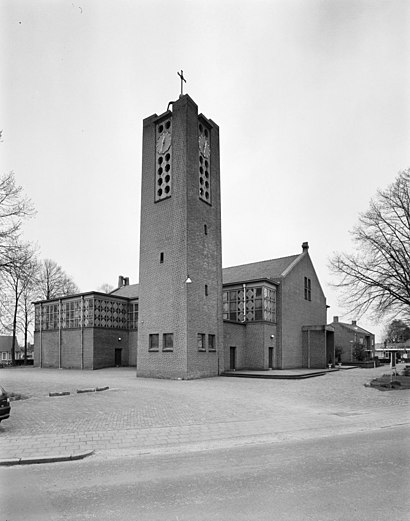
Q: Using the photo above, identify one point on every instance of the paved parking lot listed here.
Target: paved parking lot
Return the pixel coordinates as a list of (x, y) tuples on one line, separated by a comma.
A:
[(145, 415)]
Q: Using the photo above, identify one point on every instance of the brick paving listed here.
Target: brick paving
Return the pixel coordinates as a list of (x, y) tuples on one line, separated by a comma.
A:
[(137, 416)]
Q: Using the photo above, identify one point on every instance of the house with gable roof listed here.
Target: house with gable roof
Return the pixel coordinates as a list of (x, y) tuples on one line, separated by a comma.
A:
[(6, 344), (347, 335)]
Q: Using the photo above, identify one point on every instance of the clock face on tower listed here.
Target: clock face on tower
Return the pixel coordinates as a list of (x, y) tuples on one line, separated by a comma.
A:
[(163, 142), (204, 147)]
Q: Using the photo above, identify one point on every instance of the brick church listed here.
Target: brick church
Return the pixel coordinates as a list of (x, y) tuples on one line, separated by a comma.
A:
[(188, 317)]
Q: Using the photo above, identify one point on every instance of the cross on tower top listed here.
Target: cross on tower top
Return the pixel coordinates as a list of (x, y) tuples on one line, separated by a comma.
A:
[(181, 75)]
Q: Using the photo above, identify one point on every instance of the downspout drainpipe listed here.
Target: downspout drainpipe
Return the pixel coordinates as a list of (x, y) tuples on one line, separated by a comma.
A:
[(308, 346), (244, 302), (41, 335), (59, 333), (82, 331)]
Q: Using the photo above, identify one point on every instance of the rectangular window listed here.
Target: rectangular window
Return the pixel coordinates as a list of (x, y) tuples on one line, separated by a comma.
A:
[(50, 316), (258, 304), (72, 313), (161, 257), (211, 343), (133, 315), (269, 302), (308, 289), (206, 290), (201, 342), (153, 342), (168, 342)]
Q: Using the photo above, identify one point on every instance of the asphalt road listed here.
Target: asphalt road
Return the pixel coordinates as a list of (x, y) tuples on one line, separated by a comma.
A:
[(358, 477)]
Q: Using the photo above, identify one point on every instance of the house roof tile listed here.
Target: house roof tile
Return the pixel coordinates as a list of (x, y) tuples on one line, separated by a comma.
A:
[(268, 269)]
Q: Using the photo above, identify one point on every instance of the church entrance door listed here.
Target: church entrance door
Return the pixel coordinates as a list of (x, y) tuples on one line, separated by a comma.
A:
[(271, 358), (117, 355), (232, 364)]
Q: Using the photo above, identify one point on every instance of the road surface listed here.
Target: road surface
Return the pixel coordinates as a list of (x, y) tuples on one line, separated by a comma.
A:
[(362, 476)]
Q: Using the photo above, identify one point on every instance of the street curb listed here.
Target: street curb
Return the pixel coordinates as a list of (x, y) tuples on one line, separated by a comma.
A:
[(46, 459)]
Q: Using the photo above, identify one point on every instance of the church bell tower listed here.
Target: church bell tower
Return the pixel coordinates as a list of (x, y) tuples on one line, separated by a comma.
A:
[(180, 331)]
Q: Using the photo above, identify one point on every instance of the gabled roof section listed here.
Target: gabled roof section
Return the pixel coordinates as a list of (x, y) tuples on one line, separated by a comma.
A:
[(6, 343), (268, 269), (356, 329), (130, 291)]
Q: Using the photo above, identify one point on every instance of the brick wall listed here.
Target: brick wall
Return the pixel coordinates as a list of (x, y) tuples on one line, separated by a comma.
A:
[(258, 340), (234, 336), (132, 347), (297, 312), (175, 228), (314, 347), (49, 355), (106, 341)]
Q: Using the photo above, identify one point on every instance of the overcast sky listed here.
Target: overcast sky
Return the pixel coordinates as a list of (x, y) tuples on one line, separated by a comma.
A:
[(311, 96)]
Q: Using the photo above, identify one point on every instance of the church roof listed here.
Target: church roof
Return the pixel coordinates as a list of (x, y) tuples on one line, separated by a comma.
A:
[(130, 291), (268, 269)]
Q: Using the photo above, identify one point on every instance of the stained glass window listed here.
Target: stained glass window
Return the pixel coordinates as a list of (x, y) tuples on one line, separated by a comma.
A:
[(250, 304), (110, 313)]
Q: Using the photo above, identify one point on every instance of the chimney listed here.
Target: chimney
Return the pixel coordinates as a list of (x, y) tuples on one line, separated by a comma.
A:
[(120, 281), (354, 323), (335, 319), (305, 247), (126, 281)]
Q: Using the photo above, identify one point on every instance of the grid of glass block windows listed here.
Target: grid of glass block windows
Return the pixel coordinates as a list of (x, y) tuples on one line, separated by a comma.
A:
[(250, 304), (204, 166), (86, 312), (163, 173)]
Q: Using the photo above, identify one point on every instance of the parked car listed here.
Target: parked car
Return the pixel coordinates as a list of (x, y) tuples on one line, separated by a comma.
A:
[(4, 405)]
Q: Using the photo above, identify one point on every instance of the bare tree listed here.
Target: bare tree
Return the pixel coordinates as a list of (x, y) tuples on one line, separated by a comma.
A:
[(14, 207), (376, 278), (105, 288), (15, 279), (53, 282)]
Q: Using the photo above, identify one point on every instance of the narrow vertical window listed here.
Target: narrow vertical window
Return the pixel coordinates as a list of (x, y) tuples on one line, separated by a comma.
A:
[(211, 343), (205, 229), (308, 289), (161, 257), (206, 290), (201, 341)]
